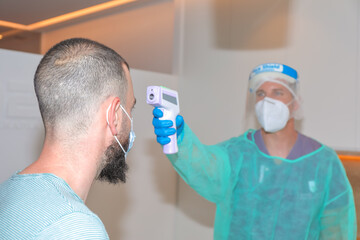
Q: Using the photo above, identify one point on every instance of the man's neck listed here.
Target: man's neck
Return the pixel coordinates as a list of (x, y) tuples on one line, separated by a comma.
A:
[(280, 143), (72, 165)]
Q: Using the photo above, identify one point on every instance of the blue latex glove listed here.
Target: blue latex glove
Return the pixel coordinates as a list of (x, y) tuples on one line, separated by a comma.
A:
[(163, 127)]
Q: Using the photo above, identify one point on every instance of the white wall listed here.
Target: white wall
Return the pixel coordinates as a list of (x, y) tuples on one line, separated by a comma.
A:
[(224, 39), (21, 130), (144, 207)]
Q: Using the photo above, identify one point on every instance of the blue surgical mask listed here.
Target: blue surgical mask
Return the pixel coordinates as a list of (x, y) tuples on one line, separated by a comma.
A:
[(131, 134)]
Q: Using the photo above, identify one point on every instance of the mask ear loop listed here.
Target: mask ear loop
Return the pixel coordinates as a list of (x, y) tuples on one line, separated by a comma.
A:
[(125, 112), (107, 120)]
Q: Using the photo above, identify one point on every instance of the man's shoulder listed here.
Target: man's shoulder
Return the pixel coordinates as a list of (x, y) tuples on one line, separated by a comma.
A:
[(36, 201), (318, 145), (325, 152), (42, 187), (75, 225)]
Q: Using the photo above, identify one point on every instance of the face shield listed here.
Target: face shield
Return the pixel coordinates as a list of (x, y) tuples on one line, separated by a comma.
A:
[(276, 73)]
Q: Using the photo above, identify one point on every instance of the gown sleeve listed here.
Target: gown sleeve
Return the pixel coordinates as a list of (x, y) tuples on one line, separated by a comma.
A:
[(206, 168)]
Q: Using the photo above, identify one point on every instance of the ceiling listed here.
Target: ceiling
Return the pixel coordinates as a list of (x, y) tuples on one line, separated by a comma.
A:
[(43, 15)]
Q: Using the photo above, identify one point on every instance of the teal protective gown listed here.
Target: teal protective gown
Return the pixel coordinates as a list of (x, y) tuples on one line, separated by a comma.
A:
[(261, 197)]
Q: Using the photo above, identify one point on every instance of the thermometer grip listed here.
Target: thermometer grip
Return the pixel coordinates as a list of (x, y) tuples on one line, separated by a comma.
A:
[(171, 147)]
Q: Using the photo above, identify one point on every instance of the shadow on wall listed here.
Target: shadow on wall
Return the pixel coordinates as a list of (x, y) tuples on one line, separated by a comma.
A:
[(250, 24)]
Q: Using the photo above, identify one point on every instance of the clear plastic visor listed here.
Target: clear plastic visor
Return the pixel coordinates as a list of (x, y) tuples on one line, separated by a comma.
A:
[(279, 78)]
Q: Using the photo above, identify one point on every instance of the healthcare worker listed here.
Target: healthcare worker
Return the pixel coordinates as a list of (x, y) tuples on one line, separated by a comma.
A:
[(270, 183)]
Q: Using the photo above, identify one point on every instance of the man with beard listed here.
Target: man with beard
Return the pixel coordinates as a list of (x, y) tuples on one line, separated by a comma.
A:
[(85, 97)]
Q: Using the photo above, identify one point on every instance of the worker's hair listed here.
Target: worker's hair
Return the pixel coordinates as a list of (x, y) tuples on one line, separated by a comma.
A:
[(72, 81)]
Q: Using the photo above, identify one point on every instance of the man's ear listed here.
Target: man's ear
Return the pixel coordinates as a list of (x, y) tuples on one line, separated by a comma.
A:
[(111, 115)]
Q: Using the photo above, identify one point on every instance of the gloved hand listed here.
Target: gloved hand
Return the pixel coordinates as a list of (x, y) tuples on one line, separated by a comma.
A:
[(163, 128)]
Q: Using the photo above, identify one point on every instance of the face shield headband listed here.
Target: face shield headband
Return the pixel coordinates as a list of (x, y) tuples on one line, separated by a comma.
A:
[(272, 72), (274, 80)]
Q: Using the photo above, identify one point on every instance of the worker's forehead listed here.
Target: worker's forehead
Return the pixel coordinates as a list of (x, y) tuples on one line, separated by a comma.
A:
[(272, 85)]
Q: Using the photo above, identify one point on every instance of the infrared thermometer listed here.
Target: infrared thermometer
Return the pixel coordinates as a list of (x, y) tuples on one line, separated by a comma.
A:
[(167, 101)]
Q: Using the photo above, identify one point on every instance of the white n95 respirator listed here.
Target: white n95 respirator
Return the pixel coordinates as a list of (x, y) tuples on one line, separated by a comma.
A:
[(272, 114)]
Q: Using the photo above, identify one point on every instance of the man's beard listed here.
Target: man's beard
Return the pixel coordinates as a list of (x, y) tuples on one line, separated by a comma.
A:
[(114, 166)]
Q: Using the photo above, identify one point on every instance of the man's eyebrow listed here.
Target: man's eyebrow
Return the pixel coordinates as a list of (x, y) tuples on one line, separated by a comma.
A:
[(277, 89)]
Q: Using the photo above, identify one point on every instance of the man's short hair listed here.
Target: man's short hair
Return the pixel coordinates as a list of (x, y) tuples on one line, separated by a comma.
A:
[(73, 79)]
